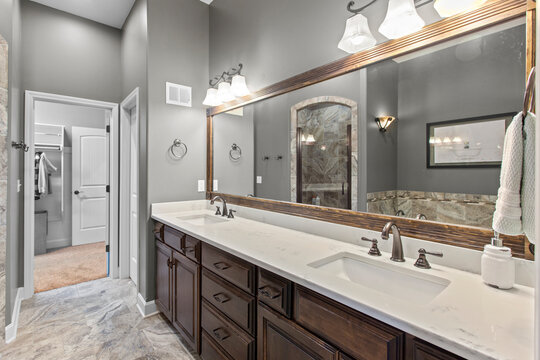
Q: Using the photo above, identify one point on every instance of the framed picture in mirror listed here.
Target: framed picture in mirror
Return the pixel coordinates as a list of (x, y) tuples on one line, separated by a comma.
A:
[(474, 142)]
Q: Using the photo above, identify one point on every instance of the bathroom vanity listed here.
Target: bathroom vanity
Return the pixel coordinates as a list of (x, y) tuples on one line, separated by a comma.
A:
[(244, 289)]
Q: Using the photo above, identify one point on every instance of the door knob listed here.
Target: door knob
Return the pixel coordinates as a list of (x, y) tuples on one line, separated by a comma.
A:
[(76, 192)]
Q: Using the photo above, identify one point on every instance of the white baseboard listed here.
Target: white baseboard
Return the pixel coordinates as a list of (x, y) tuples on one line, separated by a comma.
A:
[(11, 329), (58, 243), (146, 308)]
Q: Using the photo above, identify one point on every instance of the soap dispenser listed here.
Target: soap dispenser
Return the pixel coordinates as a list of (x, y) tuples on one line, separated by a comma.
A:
[(498, 268)]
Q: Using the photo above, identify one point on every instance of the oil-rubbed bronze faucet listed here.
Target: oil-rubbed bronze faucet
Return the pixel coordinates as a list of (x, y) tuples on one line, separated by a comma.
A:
[(397, 247), (225, 210)]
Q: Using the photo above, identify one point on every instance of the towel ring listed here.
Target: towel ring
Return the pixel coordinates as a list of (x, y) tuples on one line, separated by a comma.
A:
[(235, 149), (177, 143)]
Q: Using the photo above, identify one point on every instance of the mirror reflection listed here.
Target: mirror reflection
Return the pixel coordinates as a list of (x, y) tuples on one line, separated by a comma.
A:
[(403, 137)]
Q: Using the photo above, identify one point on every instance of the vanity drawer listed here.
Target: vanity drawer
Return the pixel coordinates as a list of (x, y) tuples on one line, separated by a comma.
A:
[(210, 350), (275, 291), (356, 334), (236, 342), (420, 350), (233, 302), (237, 271), (173, 238), (192, 248)]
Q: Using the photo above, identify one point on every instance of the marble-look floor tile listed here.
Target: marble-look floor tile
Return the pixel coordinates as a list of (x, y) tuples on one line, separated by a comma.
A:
[(94, 320)]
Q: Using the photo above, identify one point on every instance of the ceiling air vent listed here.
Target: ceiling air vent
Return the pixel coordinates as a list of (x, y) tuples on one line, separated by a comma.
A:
[(178, 94)]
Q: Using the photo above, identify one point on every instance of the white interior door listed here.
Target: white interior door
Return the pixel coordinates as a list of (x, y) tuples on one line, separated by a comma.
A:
[(133, 196), (89, 181)]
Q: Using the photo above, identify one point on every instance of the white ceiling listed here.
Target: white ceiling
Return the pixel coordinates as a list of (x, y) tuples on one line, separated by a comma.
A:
[(108, 12)]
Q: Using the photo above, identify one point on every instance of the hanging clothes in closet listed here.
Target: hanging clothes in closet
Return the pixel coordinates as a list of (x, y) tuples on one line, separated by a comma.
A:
[(42, 170)]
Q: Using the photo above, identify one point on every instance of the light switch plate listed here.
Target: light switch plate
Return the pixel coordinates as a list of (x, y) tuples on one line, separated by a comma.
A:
[(259, 179), (201, 185), (215, 187)]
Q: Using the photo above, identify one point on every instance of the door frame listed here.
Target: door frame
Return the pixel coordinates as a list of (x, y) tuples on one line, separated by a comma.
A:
[(130, 102), (31, 97)]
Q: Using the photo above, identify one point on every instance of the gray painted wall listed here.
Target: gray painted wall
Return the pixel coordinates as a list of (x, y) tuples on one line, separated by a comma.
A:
[(280, 38), (440, 87), (134, 59), (381, 100), (68, 55), (234, 177), (179, 53)]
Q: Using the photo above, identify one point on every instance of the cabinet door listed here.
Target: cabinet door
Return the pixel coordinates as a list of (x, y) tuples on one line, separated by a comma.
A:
[(186, 292), (421, 350), (279, 338), (163, 279)]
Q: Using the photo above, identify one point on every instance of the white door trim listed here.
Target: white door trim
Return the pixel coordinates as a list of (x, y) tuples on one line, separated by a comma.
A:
[(30, 99), (131, 102)]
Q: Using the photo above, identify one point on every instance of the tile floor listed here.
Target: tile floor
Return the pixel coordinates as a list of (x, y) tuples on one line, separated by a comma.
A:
[(93, 320)]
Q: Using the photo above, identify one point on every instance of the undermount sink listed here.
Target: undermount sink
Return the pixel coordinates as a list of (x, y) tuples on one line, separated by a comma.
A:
[(202, 220), (392, 280)]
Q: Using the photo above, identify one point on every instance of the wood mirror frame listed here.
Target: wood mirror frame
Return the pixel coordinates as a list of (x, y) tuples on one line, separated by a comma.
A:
[(491, 13)]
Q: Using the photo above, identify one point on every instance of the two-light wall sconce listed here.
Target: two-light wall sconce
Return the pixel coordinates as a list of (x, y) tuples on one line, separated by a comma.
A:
[(384, 122), (226, 87), (401, 19)]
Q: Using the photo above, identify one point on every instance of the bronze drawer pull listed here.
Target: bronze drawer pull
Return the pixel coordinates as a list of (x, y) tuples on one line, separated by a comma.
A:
[(221, 334), (269, 292), (169, 263), (189, 249), (221, 298), (221, 265)]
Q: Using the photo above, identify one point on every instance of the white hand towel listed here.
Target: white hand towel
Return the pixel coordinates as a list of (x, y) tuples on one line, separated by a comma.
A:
[(507, 216), (528, 183), (514, 210)]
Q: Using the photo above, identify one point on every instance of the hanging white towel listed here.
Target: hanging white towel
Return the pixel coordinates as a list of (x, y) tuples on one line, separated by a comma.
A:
[(45, 167), (514, 210)]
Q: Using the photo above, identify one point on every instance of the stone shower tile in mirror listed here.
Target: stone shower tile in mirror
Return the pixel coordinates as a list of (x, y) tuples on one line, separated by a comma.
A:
[(321, 144)]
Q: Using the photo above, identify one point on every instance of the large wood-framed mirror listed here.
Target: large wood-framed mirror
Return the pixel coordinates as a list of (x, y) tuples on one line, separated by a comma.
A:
[(316, 146)]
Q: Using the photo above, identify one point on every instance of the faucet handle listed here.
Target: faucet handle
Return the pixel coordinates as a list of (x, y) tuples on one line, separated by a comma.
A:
[(422, 261), (374, 251), (231, 214), (218, 211)]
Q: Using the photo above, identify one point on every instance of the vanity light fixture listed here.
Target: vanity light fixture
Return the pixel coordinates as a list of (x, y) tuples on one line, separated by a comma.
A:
[(447, 8), (384, 122), (401, 19), (357, 36), (230, 85)]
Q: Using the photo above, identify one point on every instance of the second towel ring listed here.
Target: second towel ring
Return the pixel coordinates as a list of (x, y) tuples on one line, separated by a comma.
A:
[(177, 143), (235, 149)]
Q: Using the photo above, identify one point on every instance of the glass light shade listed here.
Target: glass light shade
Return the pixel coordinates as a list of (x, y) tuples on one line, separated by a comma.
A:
[(239, 87), (401, 19), (384, 122), (310, 139), (211, 98), (357, 36), (224, 92), (447, 8)]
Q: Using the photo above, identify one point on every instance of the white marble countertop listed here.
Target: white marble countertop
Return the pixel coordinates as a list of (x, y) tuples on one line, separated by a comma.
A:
[(468, 318)]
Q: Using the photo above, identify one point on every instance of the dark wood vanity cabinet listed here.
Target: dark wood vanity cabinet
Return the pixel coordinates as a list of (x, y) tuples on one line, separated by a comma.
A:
[(226, 308)]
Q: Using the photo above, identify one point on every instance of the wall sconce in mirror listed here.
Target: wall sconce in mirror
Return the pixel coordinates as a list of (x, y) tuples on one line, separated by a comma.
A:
[(384, 122), (309, 140), (230, 85), (235, 153)]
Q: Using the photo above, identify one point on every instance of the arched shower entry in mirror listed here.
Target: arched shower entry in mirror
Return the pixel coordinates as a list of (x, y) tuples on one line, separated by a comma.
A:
[(324, 152)]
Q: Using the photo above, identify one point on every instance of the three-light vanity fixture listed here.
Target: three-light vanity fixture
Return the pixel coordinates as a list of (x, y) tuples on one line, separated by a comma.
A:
[(226, 87), (401, 19)]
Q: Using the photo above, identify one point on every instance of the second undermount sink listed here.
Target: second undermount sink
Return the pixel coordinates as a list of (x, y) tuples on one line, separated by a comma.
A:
[(396, 281), (202, 220)]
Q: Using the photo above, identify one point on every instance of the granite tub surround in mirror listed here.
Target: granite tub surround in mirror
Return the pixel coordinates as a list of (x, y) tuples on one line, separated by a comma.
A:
[(460, 319), (3, 177), (325, 161), (465, 209), (93, 320)]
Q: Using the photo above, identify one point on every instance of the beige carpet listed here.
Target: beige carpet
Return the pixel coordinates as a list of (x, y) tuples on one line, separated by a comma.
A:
[(69, 266)]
